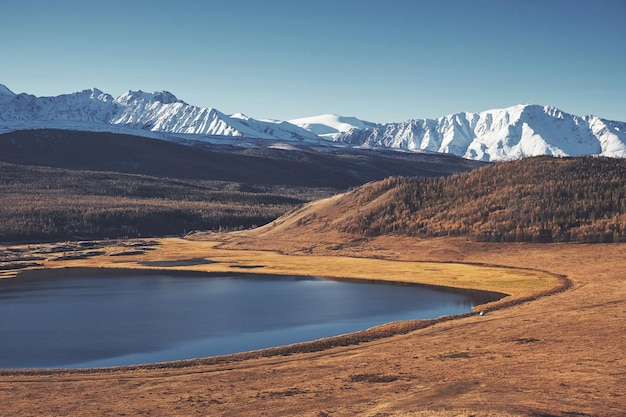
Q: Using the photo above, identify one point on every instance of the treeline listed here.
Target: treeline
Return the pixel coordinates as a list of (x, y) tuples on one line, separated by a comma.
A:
[(541, 199), (39, 204)]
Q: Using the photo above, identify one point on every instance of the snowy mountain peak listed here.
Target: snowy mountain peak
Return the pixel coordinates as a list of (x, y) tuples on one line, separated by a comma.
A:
[(500, 134), (157, 114), (330, 126), (275, 129), (240, 116), (164, 97), (4, 91), (92, 94), (492, 135), (5, 94)]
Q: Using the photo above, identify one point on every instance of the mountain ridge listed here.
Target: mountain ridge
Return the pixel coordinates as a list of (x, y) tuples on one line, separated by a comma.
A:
[(492, 135), (329, 126), (158, 114), (500, 134)]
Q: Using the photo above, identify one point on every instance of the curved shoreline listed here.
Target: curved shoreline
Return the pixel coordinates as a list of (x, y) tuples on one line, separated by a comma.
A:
[(558, 355), (351, 339)]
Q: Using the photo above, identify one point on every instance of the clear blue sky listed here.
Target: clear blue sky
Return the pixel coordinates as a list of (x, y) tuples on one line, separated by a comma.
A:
[(383, 61)]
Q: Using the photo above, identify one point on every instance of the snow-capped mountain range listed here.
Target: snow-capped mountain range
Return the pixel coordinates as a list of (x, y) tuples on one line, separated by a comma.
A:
[(158, 114), (330, 126), (500, 134)]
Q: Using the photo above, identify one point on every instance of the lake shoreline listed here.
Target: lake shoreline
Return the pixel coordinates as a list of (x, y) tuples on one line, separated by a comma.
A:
[(158, 315), (495, 300), (549, 356)]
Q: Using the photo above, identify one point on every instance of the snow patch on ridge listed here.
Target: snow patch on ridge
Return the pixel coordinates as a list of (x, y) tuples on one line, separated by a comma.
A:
[(500, 134), (329, 126), (6, 95), (493, 135), (137, 112)]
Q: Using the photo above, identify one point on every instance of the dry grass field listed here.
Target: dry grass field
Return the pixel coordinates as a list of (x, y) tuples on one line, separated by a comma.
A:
[(560, 354)]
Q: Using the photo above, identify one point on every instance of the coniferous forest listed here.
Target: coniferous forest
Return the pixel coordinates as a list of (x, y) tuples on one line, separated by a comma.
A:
[(540, 199), (45, 204), (68, 185)]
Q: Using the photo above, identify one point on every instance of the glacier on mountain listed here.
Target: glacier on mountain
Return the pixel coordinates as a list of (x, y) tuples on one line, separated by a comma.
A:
[(492, 135), (5, 94), (138, 112), (330, 126), (500, 134)]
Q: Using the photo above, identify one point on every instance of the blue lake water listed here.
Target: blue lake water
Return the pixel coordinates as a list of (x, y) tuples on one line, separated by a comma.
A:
[(90, 318)]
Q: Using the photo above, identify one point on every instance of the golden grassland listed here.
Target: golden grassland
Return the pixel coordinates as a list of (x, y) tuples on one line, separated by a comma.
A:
[(556, 355), (209, 257)]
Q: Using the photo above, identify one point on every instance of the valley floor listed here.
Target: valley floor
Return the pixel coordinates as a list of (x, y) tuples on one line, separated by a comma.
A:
[(558, 355)]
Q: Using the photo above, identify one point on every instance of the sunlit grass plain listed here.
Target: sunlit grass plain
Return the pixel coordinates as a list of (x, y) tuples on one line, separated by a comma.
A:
[(207, 256)]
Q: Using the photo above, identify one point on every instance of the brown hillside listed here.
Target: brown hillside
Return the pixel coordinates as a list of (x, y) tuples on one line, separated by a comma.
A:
[(539, 199), (66, 185)]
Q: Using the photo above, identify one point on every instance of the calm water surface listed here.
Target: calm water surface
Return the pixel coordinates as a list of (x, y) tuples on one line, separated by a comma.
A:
[(89, 319)]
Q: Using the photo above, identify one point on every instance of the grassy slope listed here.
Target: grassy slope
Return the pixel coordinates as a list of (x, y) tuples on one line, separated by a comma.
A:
[(539, 199)]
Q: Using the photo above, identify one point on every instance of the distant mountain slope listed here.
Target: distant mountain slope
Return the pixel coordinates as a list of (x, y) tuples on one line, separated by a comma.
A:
[(539, 199), (100, 151), (493, 135), (330, 126), (138, 111), (502, 134), (5, 94)]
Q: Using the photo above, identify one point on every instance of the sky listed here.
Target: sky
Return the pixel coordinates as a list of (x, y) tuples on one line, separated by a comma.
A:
[(381, 61)]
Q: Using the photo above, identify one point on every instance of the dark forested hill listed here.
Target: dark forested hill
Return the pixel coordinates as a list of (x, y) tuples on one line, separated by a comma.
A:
[(540, 199), (112, 185), (58, 184), (254, 165), (40, 203)]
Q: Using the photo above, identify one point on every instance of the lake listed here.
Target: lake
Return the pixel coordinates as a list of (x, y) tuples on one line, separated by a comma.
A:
[(77, 318)]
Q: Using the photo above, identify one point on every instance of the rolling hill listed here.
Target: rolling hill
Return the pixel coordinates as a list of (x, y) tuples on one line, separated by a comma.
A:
[(541, 199), (101, 151), (67, 185)]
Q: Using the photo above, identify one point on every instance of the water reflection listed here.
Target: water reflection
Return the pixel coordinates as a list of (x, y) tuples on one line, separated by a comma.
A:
[(85, 318)]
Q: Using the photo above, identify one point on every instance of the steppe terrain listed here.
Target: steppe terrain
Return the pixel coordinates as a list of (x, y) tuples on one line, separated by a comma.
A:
[(559, 354), (554, 347)]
